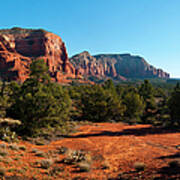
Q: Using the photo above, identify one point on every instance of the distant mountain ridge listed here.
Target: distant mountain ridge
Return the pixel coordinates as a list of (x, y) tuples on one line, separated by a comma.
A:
[(117, 66)]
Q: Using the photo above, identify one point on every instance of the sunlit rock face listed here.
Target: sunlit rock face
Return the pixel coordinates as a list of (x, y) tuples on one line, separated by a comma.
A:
[(18, 47), (118, 66)]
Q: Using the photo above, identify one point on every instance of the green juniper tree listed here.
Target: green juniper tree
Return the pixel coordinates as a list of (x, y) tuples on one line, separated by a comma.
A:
[(135, 106), (99, 104), (109, 85), (174, 105), (146, 91), (38, 102)]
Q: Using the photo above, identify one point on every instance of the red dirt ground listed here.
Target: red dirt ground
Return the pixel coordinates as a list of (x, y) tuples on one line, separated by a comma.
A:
[(115, 144)]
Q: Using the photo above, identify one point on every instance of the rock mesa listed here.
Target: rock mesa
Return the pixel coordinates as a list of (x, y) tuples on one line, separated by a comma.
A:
[(18, 47)]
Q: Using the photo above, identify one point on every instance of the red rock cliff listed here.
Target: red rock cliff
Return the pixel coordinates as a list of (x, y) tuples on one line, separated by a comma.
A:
[(19, 46), (116, 66), (87, 65)]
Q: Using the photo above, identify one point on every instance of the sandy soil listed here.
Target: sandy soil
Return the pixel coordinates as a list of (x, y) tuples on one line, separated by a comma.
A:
[(114, 149)]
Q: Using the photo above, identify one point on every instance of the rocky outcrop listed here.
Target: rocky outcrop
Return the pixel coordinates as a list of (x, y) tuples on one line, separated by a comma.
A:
[(117, 66), (18, 47)]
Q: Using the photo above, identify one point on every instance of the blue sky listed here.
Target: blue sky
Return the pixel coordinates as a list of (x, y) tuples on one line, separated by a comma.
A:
[(149, 28)]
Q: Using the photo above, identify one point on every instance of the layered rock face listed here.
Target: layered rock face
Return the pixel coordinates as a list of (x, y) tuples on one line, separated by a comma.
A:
[(118, 66), (85, 65), (18, 47)]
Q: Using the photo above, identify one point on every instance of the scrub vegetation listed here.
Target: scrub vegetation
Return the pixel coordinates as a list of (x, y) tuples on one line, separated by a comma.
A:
[(39, 108)]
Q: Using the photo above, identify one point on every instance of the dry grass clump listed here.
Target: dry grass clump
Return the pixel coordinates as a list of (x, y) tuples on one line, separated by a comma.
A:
[(57, 161), (51, 153), (40, 154), (3, 152), (46, 163), (2, 171), (34, 150), (6, 160), (62, 150), (74, 156), (16, 158), (55, 170), (22, 147), (40, 142), (3, 146), (105, 165), (14, 147), (82, 159), (139, 166), (84, 166)]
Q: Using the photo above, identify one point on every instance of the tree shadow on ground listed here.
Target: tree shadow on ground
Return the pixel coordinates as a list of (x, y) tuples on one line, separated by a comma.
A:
[(173, 169), (173, 156), (170, 171), (126, 132)]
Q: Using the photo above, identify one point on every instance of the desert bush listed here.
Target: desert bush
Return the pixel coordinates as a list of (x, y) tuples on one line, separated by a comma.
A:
[(3, 146), (84, 166), (22, 147), (7, 135), (105, 165), (40, 142), (46, 163), (3, 152), (34, 150), (6, 160), (13, 147), (52, 153), (2, 171), (74, 156), (55, 170), (6, 132), (62, 150), (17, 158), (40, 154)]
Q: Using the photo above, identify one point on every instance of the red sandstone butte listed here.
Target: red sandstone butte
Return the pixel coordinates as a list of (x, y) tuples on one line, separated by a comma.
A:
[(18, 47)]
